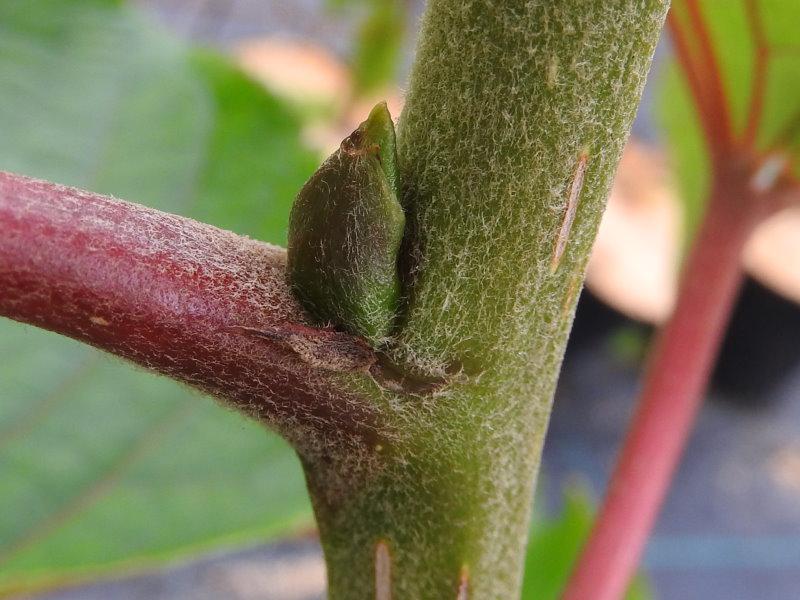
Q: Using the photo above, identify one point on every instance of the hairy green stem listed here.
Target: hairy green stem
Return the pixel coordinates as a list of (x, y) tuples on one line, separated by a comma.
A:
[(515, 119)]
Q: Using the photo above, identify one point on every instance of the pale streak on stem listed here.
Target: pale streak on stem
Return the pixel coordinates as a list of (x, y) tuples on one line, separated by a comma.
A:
[(463, 584), (570, 210), (383, 571), (768, 173)]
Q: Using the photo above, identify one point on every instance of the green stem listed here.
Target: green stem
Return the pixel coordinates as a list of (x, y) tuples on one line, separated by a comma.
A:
[(514, 123)]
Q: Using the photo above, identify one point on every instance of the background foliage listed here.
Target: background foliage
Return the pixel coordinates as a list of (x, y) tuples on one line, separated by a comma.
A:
[(736, 31), (102, 464)]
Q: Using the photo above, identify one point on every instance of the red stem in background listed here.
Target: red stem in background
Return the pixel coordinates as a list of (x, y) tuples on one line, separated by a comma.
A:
[(698, 61), (758, 84), (712, 75), (690, 70), (167, 293), (685, 350), (675, 380)]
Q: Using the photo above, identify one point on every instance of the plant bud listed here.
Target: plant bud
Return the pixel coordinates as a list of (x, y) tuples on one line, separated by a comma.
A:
[(345, 231)]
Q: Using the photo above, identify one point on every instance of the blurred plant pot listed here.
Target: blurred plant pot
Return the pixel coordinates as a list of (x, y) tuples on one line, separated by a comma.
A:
[(634, 270)]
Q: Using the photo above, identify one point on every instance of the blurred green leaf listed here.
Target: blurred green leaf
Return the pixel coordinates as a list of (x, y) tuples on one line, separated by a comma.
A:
[(378, 44), (378, 41), (103, 465), (731, 30), (628, 344), (686, 146), (554, 546)]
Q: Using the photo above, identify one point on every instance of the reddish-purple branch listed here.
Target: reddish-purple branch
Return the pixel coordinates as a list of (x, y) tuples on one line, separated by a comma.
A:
[(170, 294)]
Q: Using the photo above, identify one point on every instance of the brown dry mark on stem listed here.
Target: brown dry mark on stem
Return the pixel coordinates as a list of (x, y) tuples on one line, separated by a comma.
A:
[(321, 348), (570, 210), (383, 571)]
